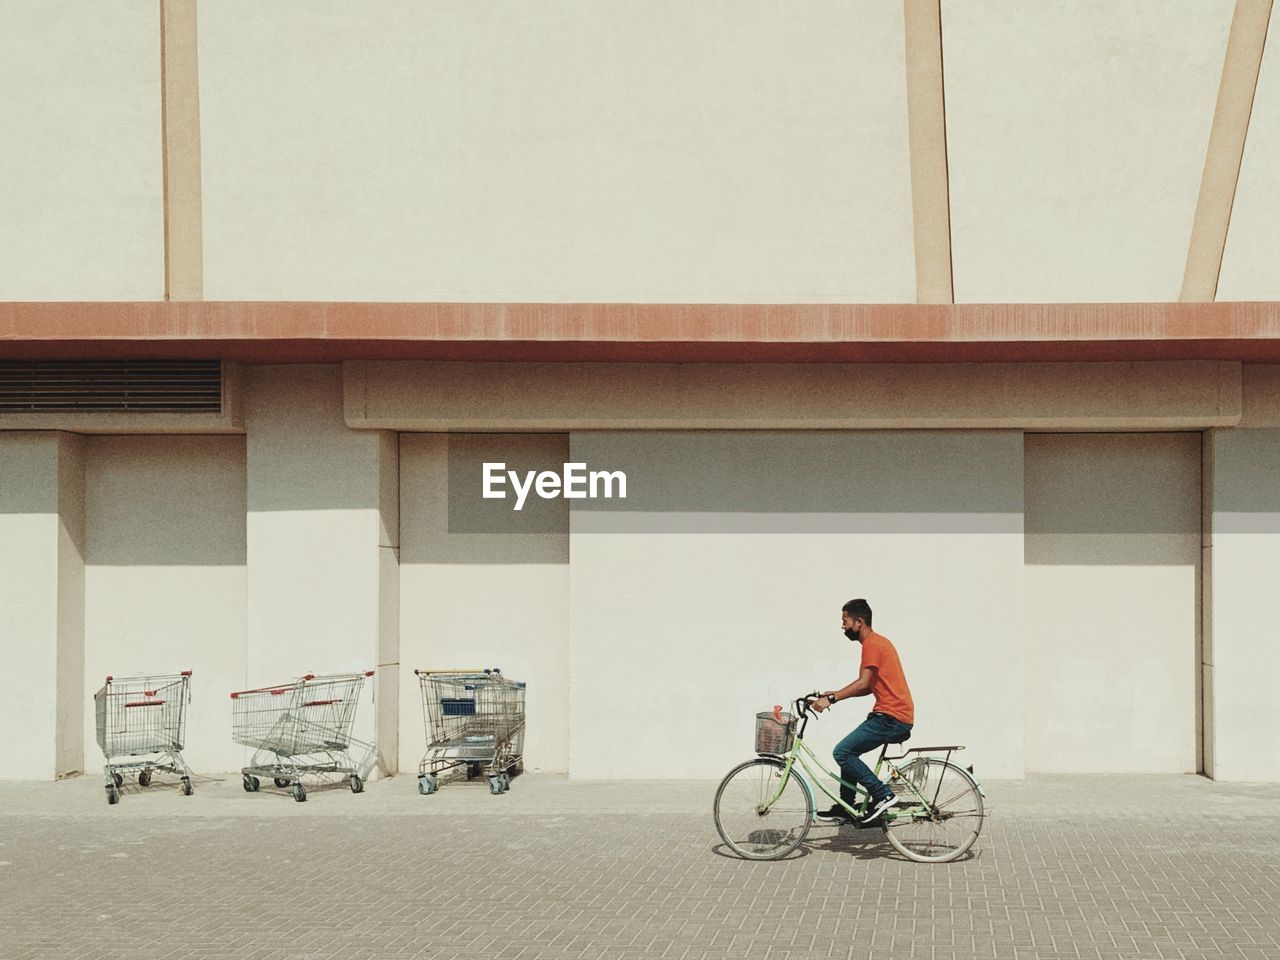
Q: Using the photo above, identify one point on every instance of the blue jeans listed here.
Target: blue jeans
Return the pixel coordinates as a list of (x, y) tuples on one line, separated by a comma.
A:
[(877, 730)]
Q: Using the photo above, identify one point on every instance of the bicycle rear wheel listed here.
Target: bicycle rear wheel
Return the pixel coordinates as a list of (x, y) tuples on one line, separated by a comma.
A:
[(751, 826), (941, 818)]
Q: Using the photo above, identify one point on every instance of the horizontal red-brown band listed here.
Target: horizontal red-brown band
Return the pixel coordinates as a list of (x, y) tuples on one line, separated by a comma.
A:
[(317, 332)]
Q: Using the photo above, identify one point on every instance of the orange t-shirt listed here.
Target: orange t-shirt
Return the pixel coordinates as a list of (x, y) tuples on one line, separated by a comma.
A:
[(888, 683)]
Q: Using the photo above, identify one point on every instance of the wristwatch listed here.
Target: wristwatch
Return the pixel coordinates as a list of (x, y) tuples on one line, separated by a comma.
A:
[(831, 697)]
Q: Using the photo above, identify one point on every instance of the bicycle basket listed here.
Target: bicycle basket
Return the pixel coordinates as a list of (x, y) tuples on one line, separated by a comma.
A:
[(772, 736)]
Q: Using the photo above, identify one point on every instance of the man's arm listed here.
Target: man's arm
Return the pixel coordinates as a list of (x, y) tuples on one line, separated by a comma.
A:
[(859, 688)]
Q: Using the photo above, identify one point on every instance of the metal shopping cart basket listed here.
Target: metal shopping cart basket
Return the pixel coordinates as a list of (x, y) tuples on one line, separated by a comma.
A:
[(474, 718), (302, 727), (141, 726)]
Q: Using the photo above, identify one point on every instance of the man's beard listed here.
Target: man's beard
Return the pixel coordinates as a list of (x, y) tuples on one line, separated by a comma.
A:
[(851, 634)]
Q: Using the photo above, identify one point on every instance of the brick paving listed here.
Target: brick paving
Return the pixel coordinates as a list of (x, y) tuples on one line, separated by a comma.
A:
[(1139, 868)]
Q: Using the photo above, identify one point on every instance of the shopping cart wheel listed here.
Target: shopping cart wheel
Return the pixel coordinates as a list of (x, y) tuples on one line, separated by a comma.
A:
[(118, 778), (506, 781), (357, 785), (495, 785), (282, 782), (428, 785), (473, 770), (113, 794), (144, 778), (187, 789), (299, 792), (251, 783)]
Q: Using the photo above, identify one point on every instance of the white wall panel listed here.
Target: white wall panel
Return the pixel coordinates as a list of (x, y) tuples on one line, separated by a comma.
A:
[(483, 586), (714, 591), (165, 577), (585, 150), (1112, 549), (80, 172), (1076, 137)]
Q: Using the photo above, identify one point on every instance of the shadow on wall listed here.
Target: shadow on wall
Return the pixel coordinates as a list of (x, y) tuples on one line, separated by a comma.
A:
[(1246, 490), (165, 501), (445, 517), (1112, 499), (301, 453), (27, 461), (809, 482)]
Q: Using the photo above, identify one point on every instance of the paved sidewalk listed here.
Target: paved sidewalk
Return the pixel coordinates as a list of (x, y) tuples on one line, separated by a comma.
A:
[(1139, 868)]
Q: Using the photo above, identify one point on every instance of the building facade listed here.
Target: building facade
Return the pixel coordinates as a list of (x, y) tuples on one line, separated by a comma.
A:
[(971, 309)]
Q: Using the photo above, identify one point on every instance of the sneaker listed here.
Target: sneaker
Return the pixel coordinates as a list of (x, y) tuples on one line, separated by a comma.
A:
[(879, 807), (837, 813)]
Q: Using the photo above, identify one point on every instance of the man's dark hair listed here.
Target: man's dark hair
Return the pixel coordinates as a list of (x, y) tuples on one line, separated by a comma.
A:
[(859, 609)]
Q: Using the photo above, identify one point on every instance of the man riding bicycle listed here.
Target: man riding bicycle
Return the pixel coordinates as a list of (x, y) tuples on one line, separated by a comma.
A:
[(880, 675)]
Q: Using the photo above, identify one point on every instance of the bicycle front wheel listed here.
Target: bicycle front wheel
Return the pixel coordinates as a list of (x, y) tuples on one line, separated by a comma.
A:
[(752, 825), (939, 812)]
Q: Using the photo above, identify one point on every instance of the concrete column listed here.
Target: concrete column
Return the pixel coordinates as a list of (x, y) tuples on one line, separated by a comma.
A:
[(323, 542), (1241, 657), (42, 601)]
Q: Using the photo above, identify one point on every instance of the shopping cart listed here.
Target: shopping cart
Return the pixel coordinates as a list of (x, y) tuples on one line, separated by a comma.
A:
[(474, 718), (302, 727), (141, 725)]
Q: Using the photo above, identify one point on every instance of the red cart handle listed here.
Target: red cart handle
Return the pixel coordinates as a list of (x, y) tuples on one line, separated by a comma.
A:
[(274, 691)]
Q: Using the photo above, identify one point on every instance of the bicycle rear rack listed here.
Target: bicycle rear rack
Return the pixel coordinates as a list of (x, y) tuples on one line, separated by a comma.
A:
[(948, 750)]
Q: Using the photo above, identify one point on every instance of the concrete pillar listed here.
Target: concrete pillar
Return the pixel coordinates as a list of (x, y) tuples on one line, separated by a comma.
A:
[(323, 542), (42, 601), (1241, 657)]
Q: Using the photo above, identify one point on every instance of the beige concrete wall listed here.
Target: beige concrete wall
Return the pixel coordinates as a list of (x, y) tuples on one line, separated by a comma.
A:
[(714, 591), (1112, 553), (165, 577), (322, 519), (593, 396), (588, 150), (724, 568), (1243, 675), (482, 585), (41, 586), (1076, 139), (80, 175), (1249, 260), (1260, 395)]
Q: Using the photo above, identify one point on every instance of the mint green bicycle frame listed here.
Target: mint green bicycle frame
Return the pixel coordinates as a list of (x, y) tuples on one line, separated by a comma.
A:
[(800, 752)]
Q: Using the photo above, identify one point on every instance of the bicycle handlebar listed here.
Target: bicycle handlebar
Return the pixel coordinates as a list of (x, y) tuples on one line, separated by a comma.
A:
[(803, 707)]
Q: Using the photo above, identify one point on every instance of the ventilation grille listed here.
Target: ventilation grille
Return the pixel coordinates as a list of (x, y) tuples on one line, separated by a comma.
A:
[(137, 385)]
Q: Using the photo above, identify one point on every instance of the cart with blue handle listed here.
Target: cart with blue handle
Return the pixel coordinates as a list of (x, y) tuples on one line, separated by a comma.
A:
[(474, 719)]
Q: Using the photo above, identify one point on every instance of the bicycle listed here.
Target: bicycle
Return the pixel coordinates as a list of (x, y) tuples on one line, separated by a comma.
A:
[(764, 807)]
